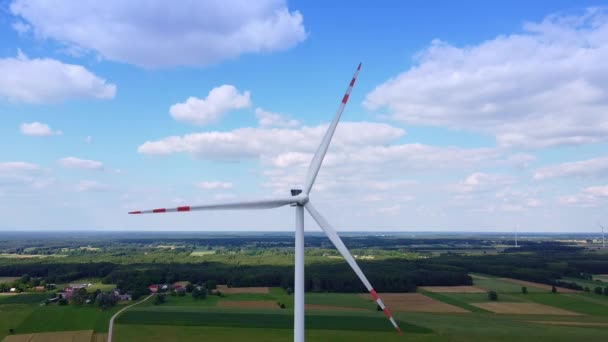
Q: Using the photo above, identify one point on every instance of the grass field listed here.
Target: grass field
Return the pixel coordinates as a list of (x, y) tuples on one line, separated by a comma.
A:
[(129, 333), (67, 318), (572, 302), (260, 320)]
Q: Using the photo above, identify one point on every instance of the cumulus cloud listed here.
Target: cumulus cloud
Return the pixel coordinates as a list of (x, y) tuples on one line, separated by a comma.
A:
[(596, 167), (543, 87), (592, 196), (162, 34), (38, 129), (77, 163), (214, 185), (269, 119), (41, 80), (481, 182), (252, 142), (204, 111)]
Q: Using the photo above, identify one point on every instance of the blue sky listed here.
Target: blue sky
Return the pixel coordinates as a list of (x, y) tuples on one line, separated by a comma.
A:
[(468, 115)]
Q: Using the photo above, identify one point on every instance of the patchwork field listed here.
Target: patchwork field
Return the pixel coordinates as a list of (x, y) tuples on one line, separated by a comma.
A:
[(415, 302), (522, 309), (452, 289), (426, 316)]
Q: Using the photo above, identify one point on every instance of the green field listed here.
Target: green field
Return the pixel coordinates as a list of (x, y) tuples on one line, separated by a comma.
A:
[(572, 302), (128, 333), (259, 320), (65, 318), (11, 315)]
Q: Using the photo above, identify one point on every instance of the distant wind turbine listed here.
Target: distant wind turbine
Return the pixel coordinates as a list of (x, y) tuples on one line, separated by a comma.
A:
[(300, 200), (603, 238), (516, 236)]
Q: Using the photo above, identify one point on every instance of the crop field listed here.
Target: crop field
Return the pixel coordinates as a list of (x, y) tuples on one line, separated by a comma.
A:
[(523, 308), (66, 318), (256, 304), (531, 285), (416, 302), (7, 279), (72, 336), (238, 290), (260, 319), (504, 286), (452, 289)]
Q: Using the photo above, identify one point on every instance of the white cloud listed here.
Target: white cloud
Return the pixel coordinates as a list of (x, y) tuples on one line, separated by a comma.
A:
[(482, 182), (204, 111), (38, 129), (269, 119), (592, 196), (77, 163), (596, 167), (162, 34), (91, 185), (214, 185), (542, 87), (252, 142), (18, 166), (42, 80), (18, 173)]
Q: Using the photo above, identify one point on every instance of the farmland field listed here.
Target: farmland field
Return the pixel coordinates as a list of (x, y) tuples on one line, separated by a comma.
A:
[(66, 318), (522, 308), (7, 279)]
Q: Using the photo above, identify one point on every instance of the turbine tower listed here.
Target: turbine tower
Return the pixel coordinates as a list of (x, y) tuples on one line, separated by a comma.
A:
[(603, 238), (300, 200), (516, 236)]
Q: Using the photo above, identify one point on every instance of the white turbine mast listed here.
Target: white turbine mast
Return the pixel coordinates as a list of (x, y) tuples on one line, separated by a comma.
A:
[(603, 238), (300, 200), (516, 227)]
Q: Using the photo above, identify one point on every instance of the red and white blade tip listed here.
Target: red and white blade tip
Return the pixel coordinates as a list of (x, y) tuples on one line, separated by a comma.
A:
[(387, 313)]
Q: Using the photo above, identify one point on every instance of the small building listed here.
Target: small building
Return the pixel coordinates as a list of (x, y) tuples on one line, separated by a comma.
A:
[(39, 288), (13, 289), (125, 296), (153, 288)]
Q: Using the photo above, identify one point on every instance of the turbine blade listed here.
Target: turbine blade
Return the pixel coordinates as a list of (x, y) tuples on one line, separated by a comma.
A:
[(317, 160), (335, 239), (259, 204)]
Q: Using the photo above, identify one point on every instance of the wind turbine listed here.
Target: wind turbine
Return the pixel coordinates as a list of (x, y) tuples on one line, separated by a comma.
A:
[(603, 238), (300, 200)]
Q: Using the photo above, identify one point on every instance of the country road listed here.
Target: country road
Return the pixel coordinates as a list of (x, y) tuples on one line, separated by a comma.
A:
[(119, 312)]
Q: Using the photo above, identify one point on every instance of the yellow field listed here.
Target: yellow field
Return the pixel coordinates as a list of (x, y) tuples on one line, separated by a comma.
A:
[(523, 309)]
